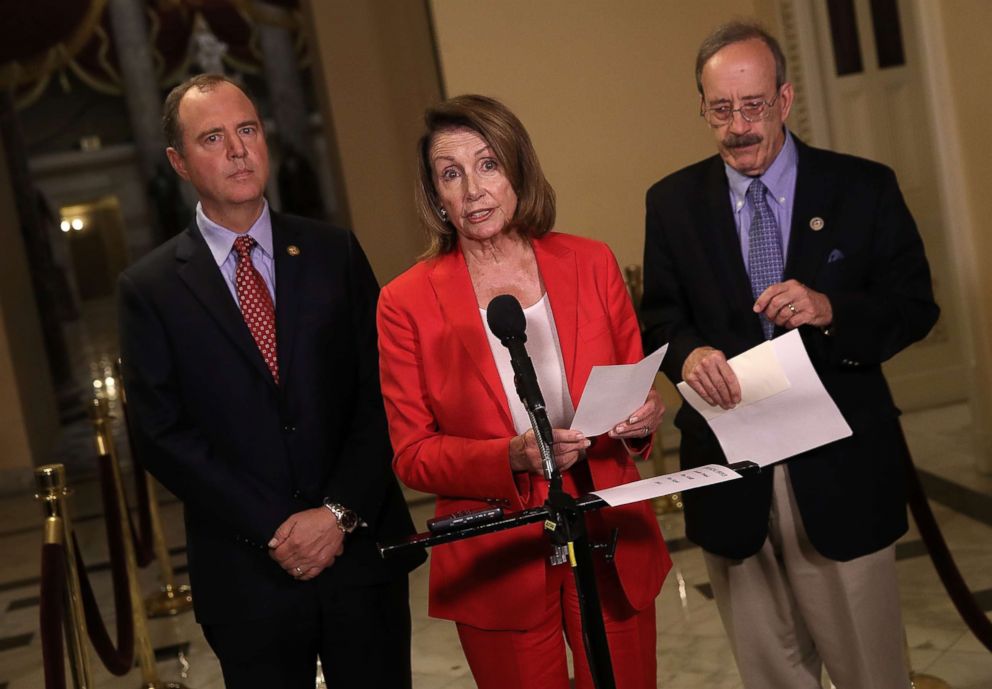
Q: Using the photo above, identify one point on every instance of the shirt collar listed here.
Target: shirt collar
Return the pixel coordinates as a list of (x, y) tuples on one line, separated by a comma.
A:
[(776, 177), (220, 240)]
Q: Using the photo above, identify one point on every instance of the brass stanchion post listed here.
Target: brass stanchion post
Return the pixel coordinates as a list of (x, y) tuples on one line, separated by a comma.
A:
[(142, 642), (918, 680), (52, 493), (171, 599)]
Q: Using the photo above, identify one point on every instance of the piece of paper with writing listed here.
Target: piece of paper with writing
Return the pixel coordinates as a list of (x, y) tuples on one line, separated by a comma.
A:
[(667, 484)]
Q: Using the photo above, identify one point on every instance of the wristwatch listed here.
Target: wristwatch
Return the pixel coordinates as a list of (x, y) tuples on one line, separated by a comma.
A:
[(347, 519)]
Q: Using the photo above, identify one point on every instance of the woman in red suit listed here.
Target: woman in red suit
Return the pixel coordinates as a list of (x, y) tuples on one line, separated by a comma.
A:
[(459, 430)]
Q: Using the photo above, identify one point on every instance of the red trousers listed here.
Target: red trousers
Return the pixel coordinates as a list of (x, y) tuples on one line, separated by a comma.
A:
[(535, 658)]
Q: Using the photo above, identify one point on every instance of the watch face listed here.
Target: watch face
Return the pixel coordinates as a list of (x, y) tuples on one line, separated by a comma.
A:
[(347, 520)]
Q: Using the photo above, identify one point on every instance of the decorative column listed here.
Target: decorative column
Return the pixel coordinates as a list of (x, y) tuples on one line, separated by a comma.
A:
[(27, 406), (50, 298), (299, 190), (166, 211), (140, 83)]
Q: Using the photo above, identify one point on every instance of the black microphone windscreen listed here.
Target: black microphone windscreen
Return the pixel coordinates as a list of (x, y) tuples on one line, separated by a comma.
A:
[(506, 318)]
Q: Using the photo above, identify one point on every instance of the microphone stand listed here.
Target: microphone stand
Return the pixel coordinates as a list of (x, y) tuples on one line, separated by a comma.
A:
[(565, 527), (564, 523)]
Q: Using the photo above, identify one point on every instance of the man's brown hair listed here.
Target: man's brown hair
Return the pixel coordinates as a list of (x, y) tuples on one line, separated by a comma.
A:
[(171, 126)]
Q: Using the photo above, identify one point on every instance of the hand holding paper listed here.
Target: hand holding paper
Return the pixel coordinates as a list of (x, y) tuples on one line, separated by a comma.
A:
[(784, 410), (613, 393), (760, 376)]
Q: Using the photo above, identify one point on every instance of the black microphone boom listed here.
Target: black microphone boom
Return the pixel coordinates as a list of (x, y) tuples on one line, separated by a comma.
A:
[(507, 322)]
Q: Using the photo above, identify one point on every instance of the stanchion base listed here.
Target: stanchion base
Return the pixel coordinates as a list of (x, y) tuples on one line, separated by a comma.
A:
[(171, 600), (921, 681), (667, 504)]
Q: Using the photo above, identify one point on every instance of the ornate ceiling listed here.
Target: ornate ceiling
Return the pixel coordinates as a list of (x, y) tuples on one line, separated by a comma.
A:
[(45, 39)]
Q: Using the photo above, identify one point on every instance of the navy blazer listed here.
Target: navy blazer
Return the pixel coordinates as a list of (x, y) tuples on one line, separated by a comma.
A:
[(852, 239), (241, 452)]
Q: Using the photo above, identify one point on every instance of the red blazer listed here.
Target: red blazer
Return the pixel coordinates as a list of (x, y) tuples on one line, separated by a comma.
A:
[(450, 426)]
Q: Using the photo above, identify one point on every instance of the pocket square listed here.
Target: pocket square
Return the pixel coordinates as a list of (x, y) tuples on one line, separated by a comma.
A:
[(835, 255)]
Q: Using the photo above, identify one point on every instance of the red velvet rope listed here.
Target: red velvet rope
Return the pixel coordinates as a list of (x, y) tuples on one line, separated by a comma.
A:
[(144, 544), (53, 594), (119, 659), (943, 561)]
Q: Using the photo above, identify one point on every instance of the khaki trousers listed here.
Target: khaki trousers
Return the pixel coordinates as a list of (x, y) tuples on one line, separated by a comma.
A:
[(788, 610)]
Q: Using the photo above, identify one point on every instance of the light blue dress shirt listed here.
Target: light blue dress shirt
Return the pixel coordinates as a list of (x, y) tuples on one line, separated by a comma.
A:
[(220, 240), (780, 178)]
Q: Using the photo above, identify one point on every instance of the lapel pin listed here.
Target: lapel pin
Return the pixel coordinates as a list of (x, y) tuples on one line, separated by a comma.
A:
[(816, 224), (294, 250)]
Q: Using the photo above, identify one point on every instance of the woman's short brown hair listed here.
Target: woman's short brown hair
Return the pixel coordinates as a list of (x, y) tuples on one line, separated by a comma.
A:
[(511, 146)]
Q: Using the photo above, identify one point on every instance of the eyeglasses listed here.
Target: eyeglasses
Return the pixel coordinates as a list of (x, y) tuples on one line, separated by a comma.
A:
[(751, 111)]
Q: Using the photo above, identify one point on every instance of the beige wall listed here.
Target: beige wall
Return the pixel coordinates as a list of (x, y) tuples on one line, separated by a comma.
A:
[(607, 92), (969, 71), (375, 61), (605, 89), (28, 418)]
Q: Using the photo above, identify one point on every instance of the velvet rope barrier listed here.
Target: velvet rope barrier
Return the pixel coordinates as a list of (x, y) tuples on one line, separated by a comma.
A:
[(144, 551), (120, 658), (51, 610), (943, 561), (143, 537)]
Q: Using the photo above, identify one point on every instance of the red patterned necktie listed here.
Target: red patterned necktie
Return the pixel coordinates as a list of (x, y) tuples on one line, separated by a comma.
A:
[(256, 304)]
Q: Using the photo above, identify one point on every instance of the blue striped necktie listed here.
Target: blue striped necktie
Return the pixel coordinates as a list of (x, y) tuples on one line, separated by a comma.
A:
[(764, 257)]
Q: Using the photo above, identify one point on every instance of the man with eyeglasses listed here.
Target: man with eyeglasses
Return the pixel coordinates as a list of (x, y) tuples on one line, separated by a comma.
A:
[(773, 235)]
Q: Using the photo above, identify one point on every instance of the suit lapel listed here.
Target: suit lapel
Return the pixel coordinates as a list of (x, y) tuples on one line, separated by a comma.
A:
[(808, 247), (199, 271), (456, 297), (289, 268), (560, 274)]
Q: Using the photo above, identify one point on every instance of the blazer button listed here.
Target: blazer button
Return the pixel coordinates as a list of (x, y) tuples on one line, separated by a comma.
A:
[(297, 494), (289, 428)]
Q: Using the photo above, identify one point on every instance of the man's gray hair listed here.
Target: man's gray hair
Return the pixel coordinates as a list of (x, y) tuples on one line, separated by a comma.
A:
[(737, 32)]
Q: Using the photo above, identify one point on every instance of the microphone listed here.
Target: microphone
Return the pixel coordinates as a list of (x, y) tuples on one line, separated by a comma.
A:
[(507, 322)]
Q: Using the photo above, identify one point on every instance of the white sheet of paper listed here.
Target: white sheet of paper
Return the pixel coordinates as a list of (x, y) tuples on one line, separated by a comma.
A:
[(667, 484), (794, 420), (759, 373), (612, 393)]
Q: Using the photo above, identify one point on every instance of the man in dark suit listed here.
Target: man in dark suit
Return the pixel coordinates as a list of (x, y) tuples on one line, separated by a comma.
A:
[(769, 236), (249, 353)]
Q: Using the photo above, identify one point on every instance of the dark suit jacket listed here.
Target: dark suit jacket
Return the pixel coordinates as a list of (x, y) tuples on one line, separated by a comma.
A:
[(869, 260), (242, 453)]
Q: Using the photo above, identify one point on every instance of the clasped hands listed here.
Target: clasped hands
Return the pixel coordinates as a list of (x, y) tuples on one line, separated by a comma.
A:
[(569, 446), (788, 304), (307, 543)]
